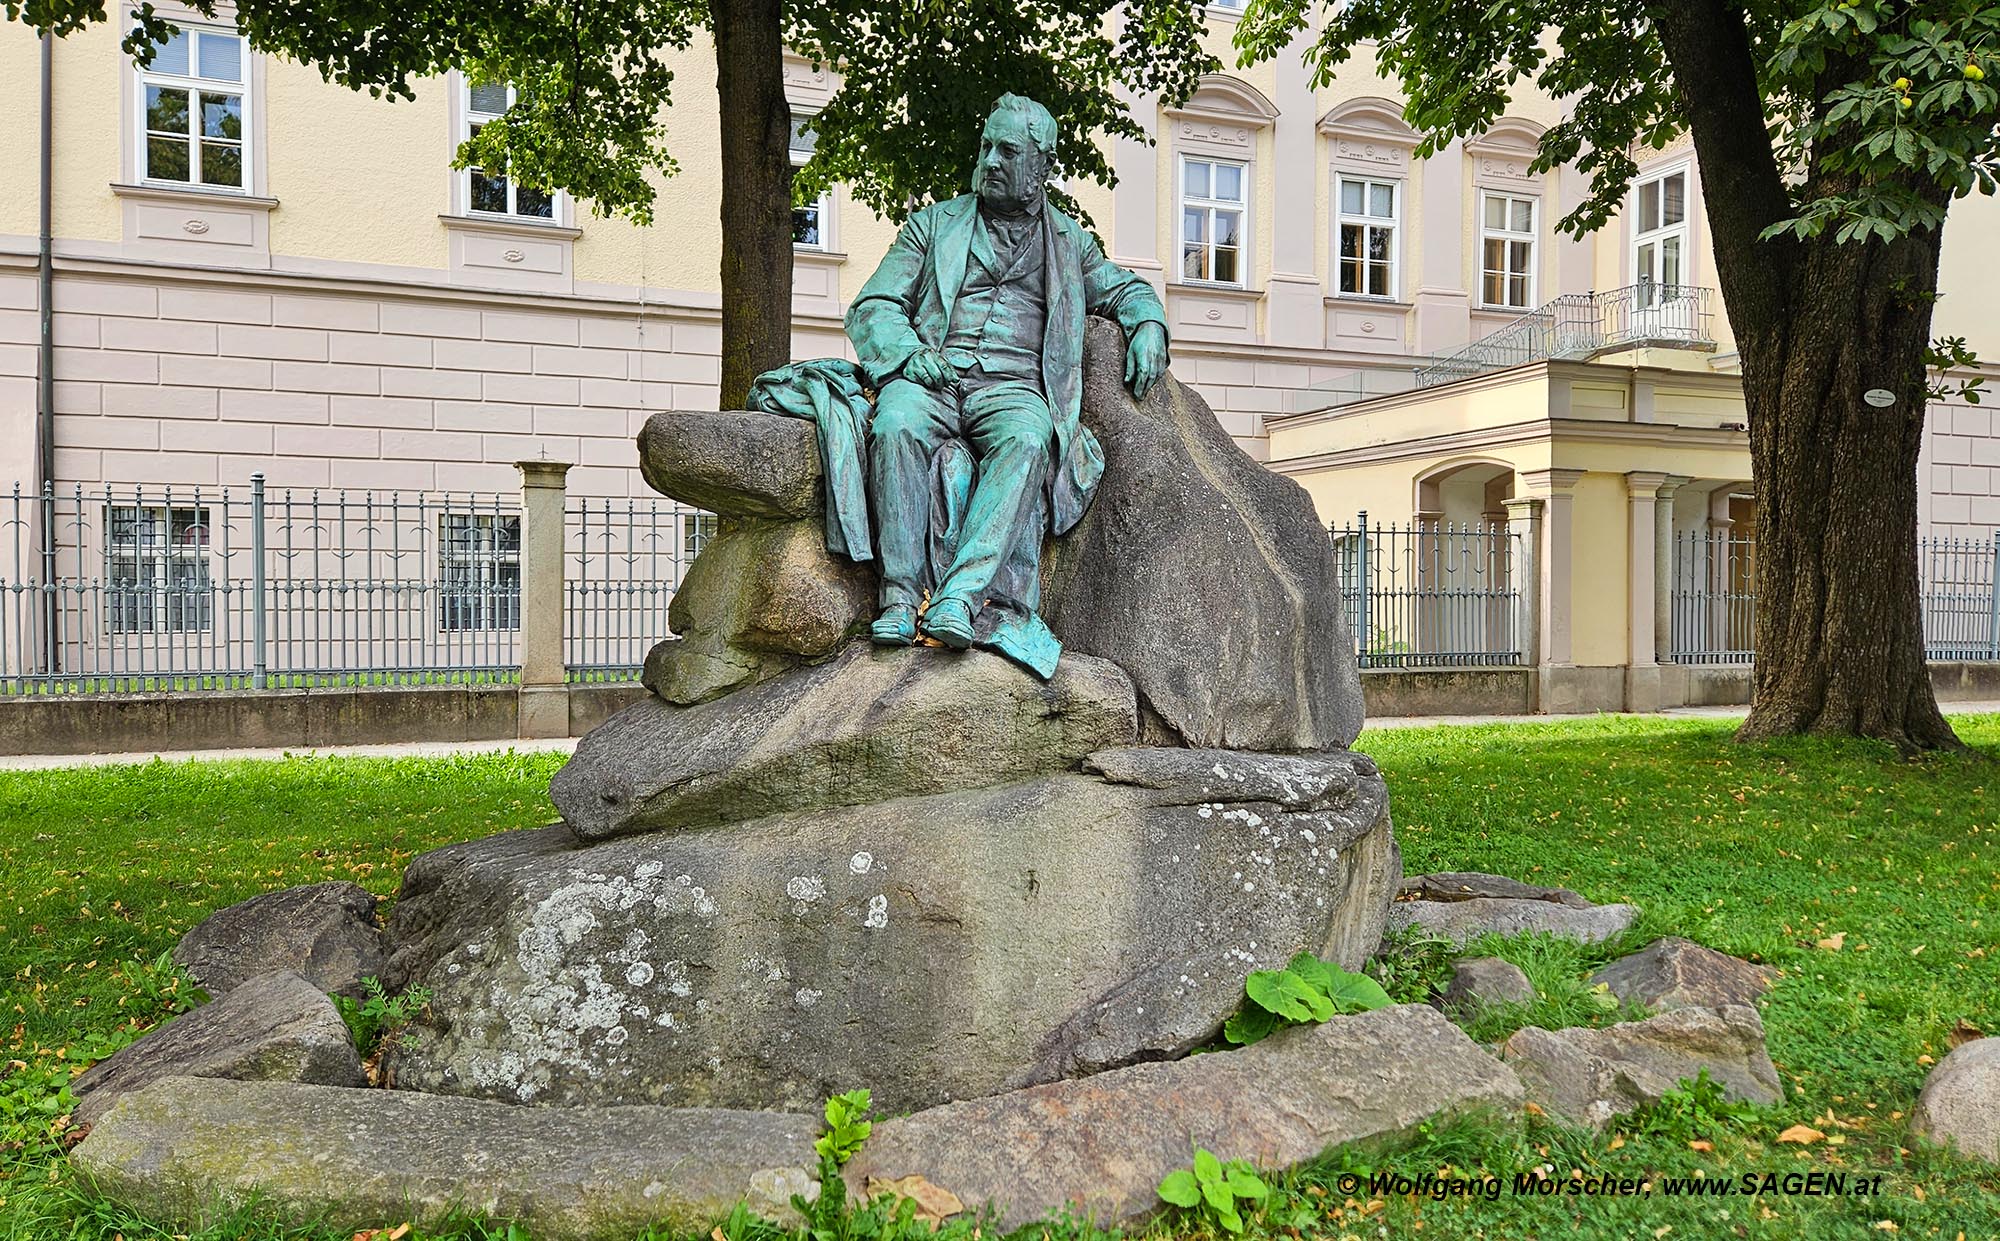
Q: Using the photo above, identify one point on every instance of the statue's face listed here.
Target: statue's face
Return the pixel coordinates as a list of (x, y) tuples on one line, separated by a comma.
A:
[(1008, 176)]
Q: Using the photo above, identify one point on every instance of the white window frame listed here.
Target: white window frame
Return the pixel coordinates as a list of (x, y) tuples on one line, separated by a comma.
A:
[(466, 120), (1656, 237), (158, 584), (144, 77), (823, 205), (1183, 203), (1393, 222), (1508, 236), (475, 591)]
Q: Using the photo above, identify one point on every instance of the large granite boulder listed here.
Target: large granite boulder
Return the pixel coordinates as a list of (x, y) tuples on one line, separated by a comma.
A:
[(1204, 575), (871, 725), (931, 948), (735, 463), (275, 1028), (1100, 1146), (1960, 1101), (195, 1150), (326, 933), (1588, 1076)]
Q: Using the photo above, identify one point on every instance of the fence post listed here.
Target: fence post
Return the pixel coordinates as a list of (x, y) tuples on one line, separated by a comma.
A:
[(543, 706), (1993, 594), (259, 663), (1365, 638)]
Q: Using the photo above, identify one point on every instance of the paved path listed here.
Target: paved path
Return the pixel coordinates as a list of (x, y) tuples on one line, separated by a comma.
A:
[(426, 749)]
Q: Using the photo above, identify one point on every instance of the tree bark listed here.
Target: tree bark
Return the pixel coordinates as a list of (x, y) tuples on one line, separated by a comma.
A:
[(1839, 625), (756, 193)]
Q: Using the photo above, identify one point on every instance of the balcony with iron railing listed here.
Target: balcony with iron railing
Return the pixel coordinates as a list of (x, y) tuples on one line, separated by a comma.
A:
[(1579, 326)]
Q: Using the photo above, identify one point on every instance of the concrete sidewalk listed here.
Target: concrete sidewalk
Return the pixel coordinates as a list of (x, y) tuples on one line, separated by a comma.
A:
[(38, 762)]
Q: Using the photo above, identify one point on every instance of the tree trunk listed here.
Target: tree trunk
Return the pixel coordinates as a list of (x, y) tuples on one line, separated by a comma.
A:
[(756, 193), (1839, 627)]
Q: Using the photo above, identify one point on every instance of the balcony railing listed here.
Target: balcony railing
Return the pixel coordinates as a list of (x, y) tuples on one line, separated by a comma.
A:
[(1577, 326)]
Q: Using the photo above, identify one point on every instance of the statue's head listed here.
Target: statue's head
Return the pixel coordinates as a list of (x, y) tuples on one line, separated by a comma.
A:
[(1015, 151)]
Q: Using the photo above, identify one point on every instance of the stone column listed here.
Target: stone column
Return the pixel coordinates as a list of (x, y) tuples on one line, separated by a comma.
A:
[(1556, 489), (1642, 668), (1524, 523), (1295, 308), (1673, 677), (543, 706)]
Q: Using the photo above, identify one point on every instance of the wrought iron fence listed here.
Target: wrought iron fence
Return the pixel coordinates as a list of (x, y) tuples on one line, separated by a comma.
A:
[(1715, 600), (624, 558), (1432, 594), (135, 588)]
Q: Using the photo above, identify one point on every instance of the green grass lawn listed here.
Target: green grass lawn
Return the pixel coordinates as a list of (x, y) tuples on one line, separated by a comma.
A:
[(1873, 884)]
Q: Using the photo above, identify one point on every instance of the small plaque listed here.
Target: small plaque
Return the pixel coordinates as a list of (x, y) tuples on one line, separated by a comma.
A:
[(1880, 398)]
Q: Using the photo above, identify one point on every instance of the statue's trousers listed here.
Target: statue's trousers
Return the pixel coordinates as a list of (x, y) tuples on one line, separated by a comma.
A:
[(1012, 433)]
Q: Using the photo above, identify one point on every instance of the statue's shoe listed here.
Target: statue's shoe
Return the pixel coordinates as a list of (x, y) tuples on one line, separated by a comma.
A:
[(896, 626), (950, 622)]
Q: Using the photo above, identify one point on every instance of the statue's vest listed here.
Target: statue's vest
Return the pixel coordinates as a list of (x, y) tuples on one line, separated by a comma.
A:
[(1000, 316)]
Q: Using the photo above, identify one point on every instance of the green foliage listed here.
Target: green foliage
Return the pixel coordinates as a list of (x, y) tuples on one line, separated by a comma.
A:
[(1693, 1109), (1948, 353), (1880, 110), (1211, 1190), (847, 1126), (378, 1017), (1308, 990), (917, 81), (1412, 965)]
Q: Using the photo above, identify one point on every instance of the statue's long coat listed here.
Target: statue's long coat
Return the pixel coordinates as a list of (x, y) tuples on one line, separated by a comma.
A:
[(906, 306)]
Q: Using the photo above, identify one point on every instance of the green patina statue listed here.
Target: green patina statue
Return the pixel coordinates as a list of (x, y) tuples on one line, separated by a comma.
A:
[(971, 330)]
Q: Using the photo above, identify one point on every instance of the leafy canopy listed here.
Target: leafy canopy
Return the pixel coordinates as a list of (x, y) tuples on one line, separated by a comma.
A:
[(1878, 112), (594, 81)]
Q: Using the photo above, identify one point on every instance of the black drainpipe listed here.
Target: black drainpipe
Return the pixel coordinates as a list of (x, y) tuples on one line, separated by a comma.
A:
[(45, 420)]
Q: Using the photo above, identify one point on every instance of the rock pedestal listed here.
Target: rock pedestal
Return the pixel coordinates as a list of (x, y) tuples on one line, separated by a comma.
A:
[(933, 947)]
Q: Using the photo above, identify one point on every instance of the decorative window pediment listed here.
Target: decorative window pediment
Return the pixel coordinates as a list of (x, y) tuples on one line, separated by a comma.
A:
[(1370, 134), (1504, 153), (1222, 117)]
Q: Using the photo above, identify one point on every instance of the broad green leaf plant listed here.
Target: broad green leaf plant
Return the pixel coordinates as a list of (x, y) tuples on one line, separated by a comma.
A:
[(1211, 1191), (1307, 991)]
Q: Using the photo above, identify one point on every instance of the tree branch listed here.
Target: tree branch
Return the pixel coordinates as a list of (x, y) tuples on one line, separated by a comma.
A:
[(1707, 43)]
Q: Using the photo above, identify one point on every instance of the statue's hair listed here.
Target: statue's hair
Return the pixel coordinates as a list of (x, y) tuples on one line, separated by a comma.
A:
[(1040, 123)]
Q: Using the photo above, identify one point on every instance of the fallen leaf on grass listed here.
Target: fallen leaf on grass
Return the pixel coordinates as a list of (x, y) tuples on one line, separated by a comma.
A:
[(383, 1234), (1886, 1225), (1963, 1032), (1699, 1145), (1804, 1135), (934, 1202), (1833, 942)]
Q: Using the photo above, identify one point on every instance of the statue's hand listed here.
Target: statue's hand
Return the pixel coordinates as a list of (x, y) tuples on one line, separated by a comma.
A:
[(929, 368), (1145, 358)]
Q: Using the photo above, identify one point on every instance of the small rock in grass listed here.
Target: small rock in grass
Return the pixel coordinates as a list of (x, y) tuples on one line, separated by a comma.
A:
[(1463, 921), (1465, 885), (1591, 1075), (1478, 982), (1960, 1102), (1679, 973), (275, 1028), (325, 933)]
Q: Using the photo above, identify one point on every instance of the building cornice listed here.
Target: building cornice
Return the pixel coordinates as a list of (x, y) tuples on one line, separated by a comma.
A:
[(1641, 434)]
